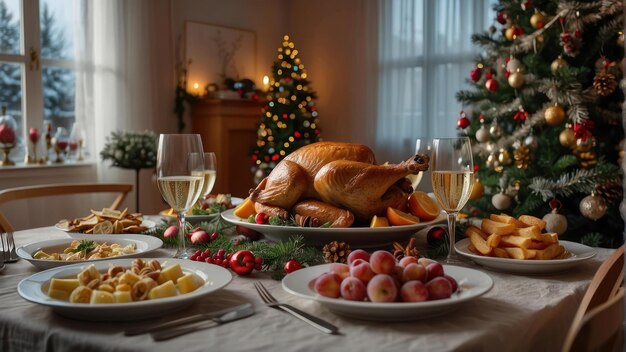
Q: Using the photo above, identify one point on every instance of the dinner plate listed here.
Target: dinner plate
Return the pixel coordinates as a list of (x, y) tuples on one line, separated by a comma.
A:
[(34, 289), (145, 223), (143, 245), (472, 284), (358, 237), (195, 219), (580, 253)]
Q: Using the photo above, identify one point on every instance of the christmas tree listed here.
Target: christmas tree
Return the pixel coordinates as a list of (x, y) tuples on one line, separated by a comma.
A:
[(544, 114), (289, 118)]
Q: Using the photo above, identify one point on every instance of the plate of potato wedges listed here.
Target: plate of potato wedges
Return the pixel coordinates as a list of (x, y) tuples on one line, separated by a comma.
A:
[(520, 245)]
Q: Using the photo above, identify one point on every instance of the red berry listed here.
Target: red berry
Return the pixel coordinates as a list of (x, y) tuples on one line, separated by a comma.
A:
[(207, 251), (260, 218), (258, 267), (217, 262), (258, 260), (214, 236), (197, 253), (221, 252), (209, 260), (292, 265), (193, 257)]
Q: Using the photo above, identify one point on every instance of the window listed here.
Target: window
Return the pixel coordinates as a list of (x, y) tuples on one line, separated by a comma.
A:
[(38, 65), (425, 56)]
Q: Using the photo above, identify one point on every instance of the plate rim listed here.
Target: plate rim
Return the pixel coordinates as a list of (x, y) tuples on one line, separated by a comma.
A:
[(388, 305), (197, 217), (47, 275), (461, 248), (152, 242)]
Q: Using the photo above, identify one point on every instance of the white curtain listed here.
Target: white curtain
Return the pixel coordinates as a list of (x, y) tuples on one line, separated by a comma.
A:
[(425, 56)]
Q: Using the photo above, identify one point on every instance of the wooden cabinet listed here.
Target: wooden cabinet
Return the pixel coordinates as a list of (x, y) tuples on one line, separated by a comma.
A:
[(228, 128)]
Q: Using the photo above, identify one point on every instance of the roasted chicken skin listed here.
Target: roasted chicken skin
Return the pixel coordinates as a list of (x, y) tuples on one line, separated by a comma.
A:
[(342, 175)]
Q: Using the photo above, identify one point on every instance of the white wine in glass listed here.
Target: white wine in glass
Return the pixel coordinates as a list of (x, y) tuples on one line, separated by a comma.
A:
[(179, 156), (208, 173), (452, 176)]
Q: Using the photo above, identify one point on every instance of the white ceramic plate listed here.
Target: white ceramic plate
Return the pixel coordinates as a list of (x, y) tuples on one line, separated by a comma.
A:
[(580, 253), (358, 237), (195, 219), (143, 245), (34, 289), (145, 223), (472, 283)]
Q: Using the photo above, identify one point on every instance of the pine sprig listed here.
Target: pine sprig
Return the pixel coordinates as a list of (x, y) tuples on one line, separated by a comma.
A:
[(577, 181)]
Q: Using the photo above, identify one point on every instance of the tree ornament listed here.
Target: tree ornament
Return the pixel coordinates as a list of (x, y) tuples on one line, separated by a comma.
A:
[(554, 115), (477, 189), (436, 236), (476, 72), (555, 222), (491, 161), (567, 137), (491, 84), (501, 17), (521, 155), (583, 150), (604, 83), (291, 266), (620, 39), (531, 141), (504, 157), (463, 121), (509, 33), (557, 64), (336, 252), (593, 207), (537, 20), (516, 79), (514, 65), (571, 42), (585, 144), (492, 29), (399, 251), (501, 201), (482, 135), (495, 130), (521, 114)]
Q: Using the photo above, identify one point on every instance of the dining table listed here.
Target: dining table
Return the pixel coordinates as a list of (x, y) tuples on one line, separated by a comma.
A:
[(519, 313)]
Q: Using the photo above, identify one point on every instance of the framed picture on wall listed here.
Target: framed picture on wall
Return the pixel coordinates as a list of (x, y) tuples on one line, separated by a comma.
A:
[(214, 53)]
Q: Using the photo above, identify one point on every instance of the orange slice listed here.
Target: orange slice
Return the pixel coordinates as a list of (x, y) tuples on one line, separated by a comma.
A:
[(397, 217), (245, 209), (379, 221), (422, 206)]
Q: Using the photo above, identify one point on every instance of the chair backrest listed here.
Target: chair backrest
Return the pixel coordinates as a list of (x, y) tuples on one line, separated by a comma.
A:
[(603, 288), (12, 194)]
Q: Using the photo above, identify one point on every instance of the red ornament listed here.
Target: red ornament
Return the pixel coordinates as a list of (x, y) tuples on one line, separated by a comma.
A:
[(291, 266), (476, 73), (297, 134), (7, 135), (284, 116), (489, 75), (463, 121), (520, 115), (254, 157), (33, 135), (476, 168), (274, 157), (501, 17), (507, 73), (491, 85), (582, 130), (518, 31), (242, 262)]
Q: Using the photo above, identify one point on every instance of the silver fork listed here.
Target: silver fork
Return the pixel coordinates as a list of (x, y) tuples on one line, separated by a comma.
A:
[(8, 247), (316, 322)]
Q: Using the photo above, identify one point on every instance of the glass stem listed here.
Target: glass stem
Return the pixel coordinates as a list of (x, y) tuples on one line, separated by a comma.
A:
[(451, 234), (182, 250)]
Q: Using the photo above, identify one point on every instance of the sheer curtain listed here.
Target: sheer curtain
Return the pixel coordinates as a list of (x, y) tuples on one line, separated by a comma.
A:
[(425, 55)]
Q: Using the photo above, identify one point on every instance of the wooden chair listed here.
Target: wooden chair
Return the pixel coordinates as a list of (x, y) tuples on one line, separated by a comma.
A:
[(598, 323), (27, 192)]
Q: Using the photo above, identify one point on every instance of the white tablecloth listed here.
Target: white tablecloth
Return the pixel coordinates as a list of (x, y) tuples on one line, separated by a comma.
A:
[(520, 313)]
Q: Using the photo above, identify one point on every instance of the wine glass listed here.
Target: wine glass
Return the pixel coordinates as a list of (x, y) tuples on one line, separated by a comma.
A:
[(179, 156), (452, 177), (209, 173), (422, 146)]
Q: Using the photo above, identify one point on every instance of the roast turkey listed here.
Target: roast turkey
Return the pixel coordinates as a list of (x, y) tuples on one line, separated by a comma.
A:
[(343, 176)]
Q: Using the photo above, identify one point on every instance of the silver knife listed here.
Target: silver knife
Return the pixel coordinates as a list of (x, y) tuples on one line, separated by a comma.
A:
[(241, 312), (185, 320)]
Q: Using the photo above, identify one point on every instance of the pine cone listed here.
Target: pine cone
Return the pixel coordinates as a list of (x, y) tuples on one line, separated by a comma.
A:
[(604, 83), (336, 252), (587, 160), (611, 190)]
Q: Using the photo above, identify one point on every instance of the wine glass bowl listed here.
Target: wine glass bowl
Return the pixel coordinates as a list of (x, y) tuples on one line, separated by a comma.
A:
[(180, 157), (209, 174), (452, 176)]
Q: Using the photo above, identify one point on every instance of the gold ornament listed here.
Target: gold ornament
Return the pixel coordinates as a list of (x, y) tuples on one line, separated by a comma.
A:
[(509, 33), (554, 115), (604, 83), (557, 64), (537, 20), (477, 190), (567, 138), (495, 130), (504, 157), (491, 161), (583, 150), (586, 144), (516, 79), (522, 156), (593, 207)]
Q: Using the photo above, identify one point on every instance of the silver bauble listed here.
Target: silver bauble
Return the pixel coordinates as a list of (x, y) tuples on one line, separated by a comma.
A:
[(495, 130), (482, 135), (532, 142), (501, 201), (513, 65), (593, 207), (555, 222)]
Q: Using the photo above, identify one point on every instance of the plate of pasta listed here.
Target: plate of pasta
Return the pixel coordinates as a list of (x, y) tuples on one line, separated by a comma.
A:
[(58, 252), (123, 289)]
